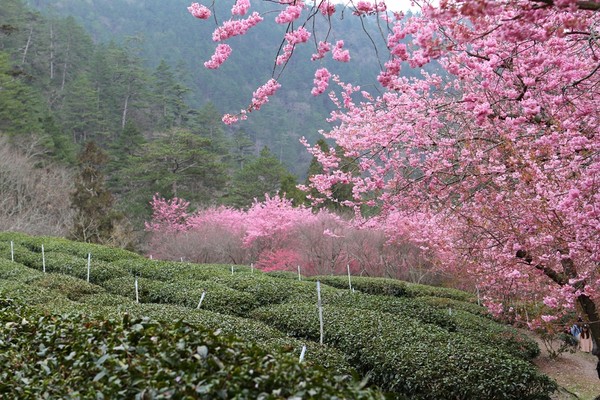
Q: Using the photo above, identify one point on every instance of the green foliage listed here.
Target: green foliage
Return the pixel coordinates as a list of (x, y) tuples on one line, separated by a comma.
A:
[(20, 105), (403, 339), (76, 357), (264, 174), (404, 356), (178, 163), (61, 245), (392, 287), (93, 203)]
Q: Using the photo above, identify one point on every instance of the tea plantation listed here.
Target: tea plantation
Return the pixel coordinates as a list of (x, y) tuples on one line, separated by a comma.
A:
[(64, 337)]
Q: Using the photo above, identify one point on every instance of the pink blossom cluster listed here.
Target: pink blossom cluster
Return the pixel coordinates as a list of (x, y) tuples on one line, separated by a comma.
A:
[(491, 166), (301, 35), (275, 235), (366, 8), (261, 96), (321, 81), (168, 215), (240, 7), (236, 27), (339, 54), (222, 52), (199, 11), (327, 8), (289, 14), (322, 49)]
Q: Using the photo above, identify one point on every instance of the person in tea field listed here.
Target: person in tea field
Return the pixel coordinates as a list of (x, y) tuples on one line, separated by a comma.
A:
[(585, 339)]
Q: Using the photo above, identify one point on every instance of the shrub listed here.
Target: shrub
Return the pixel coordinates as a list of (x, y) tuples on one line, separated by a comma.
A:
[(392, 287), (78, 249), (218, 298), (414, 359), (75, 357), (17, 272)]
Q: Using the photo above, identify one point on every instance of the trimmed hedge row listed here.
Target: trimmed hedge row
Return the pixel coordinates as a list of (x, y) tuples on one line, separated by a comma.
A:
[(475, 327), (409, 358), (61, 245), (392, 287), (76, 357), (67, 264), (218, 298)]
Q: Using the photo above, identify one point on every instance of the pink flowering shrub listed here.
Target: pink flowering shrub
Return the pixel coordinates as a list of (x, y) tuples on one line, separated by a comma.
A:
[(278, 236)]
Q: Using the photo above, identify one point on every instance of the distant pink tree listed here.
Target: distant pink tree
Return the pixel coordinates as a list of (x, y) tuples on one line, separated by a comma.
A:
[(494, 162), (168, 215)]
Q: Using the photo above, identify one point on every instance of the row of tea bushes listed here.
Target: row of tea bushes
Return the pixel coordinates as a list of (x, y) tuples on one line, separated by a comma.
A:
[(64, 263), (399, 336), (410, 358), (61, 245), (392, 287), (60, 293), (476, 327), (74, 357)]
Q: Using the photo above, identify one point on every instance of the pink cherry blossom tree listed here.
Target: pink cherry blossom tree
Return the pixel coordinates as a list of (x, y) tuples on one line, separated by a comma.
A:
[(493, 162)]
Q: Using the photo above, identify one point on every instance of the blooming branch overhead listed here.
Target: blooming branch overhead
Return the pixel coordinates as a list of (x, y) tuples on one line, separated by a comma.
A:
[(496, 155)]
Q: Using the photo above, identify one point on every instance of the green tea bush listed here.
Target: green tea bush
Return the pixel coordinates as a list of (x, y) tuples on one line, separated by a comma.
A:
[(418, 290), (476, 327), (418, 360), (34, 295), (219, 298), (403, 307), (68, 286), (17, 272), (61, 245), (445, 304), (67, 264), (263, 335), (73, 357), (105, 299), (392, 287), (504, 337)]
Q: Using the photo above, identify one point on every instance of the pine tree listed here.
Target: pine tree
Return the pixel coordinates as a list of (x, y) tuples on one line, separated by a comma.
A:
[(95, 219)]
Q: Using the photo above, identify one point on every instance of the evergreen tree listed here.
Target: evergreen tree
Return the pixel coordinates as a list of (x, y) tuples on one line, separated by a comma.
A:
[(169, 108), (179, 164), (263, 175), (20, 105), (93, 203)]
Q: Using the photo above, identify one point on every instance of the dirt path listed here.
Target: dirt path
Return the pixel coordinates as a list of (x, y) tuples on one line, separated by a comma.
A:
[(574, 372)]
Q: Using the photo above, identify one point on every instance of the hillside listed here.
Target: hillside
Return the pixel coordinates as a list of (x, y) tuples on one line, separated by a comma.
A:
[(164, 30), (408, 340)]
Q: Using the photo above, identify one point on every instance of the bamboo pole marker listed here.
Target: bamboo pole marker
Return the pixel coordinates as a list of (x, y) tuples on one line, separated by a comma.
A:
[(349, 280), (252, 268), (302, 354), (201, 299), (137, 292), (478, 298), (88, 266), (319, 304), (299, 276), (12, 251), (181, 259), (232, 270), (43, 260)]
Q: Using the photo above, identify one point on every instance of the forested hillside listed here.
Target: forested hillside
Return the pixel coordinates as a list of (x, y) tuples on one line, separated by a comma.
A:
[(62, 89), (164, 30)]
